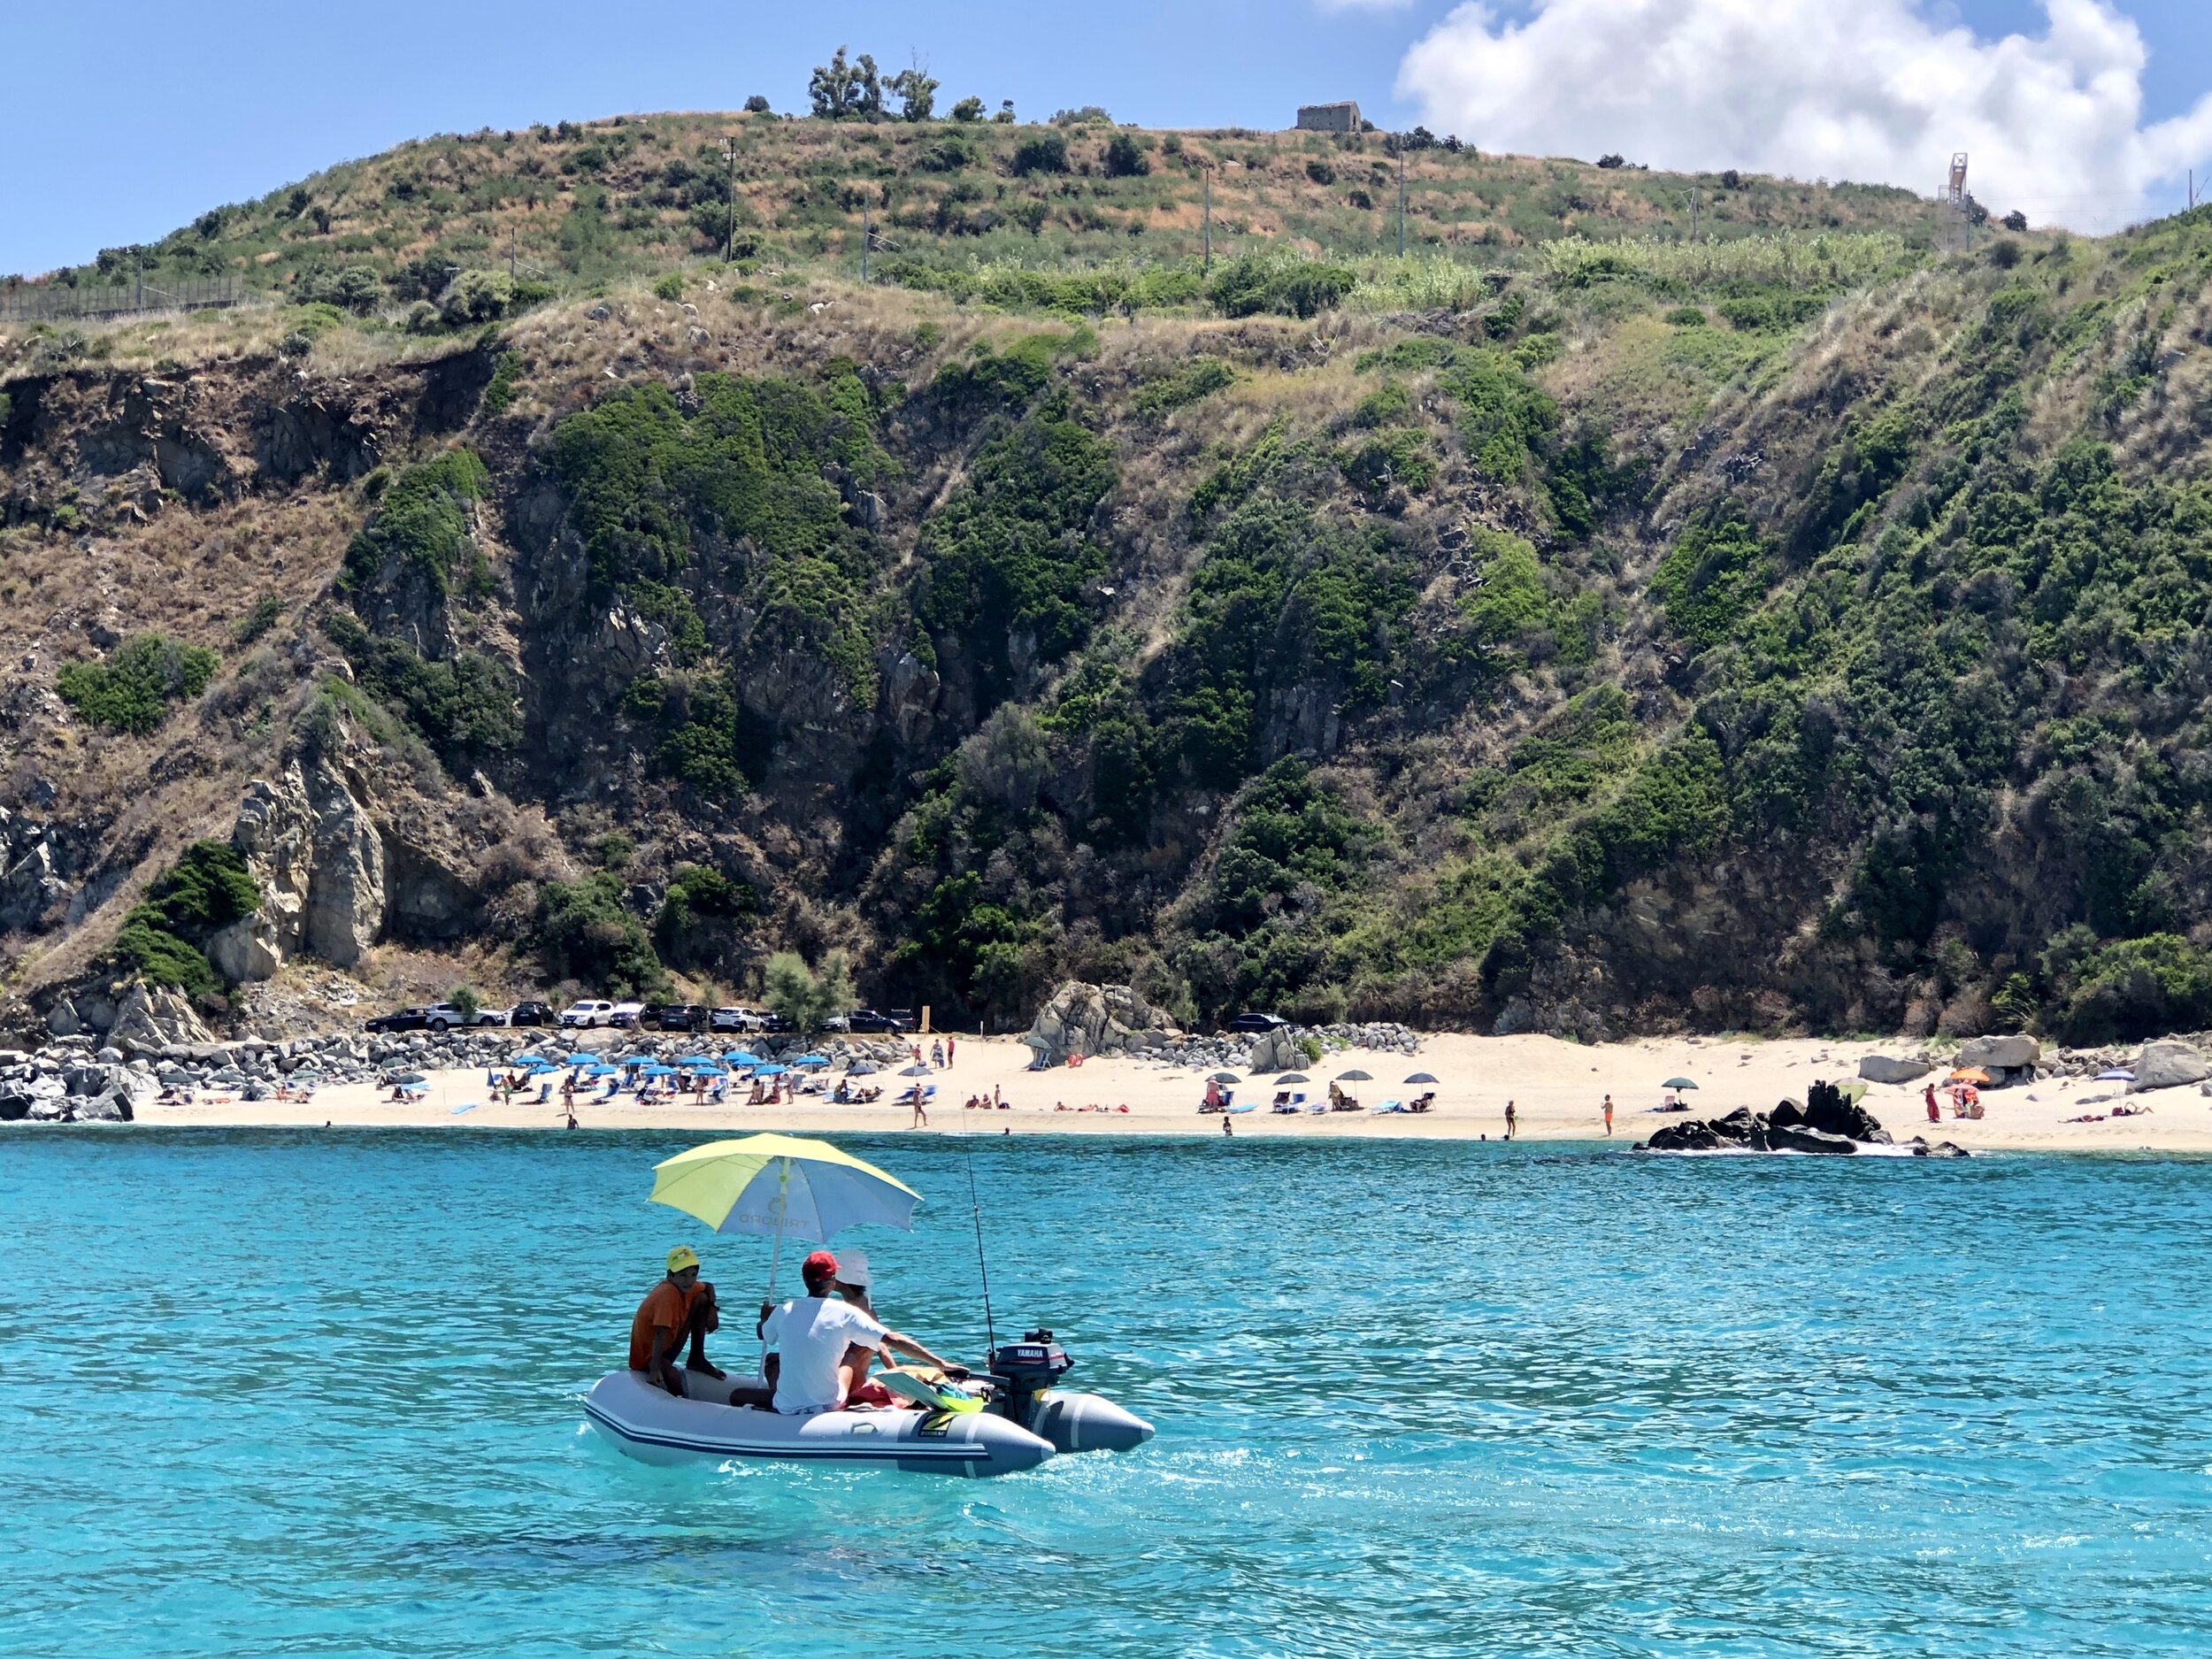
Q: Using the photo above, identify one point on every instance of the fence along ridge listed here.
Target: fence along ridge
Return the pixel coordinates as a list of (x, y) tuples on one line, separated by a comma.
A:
[(48, 303)]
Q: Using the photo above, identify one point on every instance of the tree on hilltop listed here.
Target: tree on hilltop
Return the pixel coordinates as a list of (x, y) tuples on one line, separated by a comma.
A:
[(842, 91)]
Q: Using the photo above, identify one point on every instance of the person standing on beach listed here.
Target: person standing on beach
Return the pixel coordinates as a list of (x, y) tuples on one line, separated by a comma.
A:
[(951, 1044), (1608, 1114), (921, 1118), (1510, 1120)]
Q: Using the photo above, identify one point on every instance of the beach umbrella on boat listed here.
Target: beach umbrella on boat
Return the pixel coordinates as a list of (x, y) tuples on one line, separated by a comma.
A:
[(782, 1184), (1420, 1077), (1293, 1077), (1356, 1077), (1677, 1082)]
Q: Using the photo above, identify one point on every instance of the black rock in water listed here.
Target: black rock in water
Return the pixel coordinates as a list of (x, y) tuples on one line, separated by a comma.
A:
[(1799, 1138)]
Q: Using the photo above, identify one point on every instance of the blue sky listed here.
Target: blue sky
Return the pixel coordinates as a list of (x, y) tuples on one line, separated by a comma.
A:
[(126, 118)]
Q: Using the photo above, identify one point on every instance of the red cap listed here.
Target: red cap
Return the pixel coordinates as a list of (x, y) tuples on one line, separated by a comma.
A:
[(821, 1264)]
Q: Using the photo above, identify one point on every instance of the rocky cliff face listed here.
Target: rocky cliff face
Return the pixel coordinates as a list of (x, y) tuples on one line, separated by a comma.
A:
[(1374, 664)]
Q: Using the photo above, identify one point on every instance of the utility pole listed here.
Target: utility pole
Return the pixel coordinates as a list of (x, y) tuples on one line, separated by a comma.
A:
[(1206, 263), (1693, 212), (867, 236), (729, 233), (510, 255), (1401, 198), (138, 287)]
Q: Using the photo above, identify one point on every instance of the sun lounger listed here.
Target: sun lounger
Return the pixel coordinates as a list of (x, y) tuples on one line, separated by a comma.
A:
[(1284, 1109), (1390, 1106)]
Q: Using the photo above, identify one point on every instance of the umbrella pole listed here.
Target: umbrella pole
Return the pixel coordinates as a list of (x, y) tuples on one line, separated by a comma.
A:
[(775, 1251)]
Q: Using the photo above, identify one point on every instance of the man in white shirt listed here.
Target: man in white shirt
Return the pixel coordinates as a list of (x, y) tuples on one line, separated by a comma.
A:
[(824, 1344)]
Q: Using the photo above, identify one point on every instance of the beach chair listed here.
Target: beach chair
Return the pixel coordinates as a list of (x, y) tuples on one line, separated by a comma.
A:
[(1390, 1106), (545, 1093)]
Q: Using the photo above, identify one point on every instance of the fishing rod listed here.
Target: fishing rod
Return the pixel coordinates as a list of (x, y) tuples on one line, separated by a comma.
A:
[(982, 1267)]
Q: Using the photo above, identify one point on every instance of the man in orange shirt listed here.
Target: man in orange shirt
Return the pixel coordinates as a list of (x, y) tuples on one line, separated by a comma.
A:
[(678, 1307)]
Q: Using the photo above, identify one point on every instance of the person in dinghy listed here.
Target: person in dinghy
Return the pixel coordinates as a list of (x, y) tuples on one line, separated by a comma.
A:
[(680, 1307), (824, 1344)]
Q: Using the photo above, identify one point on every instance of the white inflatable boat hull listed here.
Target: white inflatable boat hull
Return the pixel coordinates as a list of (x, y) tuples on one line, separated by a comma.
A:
[(654, 1426)]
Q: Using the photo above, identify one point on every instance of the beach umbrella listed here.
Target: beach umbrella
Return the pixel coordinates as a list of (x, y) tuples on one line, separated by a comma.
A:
[(770, 1071), (781, 1185), (2116, 1074), (1968, 1074), (1853, 1092), (1677, 1082), (1294, 1077), (1225, 1077), (811, 1059), (602, 1071), (1420, 1077), (656, 1070), (860, 1069), (406, 1076), (1356, 1077), (582, 1056), (698, 1059), (741, 1057), (915, 1071)]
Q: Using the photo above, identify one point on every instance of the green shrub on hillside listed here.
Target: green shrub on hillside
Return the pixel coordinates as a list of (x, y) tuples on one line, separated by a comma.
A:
[(1008, 560), (425, 519), (131, 690), (1717, 571), (1187, 383), (464, 708), (1046, 152), (733, 496), (161, 939), (2136, 988), (1289, 288), (583, 932), (698, 917)]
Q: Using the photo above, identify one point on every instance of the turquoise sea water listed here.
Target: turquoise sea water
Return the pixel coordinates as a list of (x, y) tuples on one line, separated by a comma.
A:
[(316, 1393)]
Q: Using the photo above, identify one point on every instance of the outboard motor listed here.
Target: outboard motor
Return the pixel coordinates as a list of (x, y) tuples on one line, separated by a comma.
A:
[(1025, 1369), (1026, 1372)]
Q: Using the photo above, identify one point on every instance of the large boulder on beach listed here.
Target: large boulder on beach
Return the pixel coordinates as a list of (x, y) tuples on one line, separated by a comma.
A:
[(2001, 1054), (1090, 1019), (151, 1019), (1882, 1068), (1276, 1050), (2168, 1066)]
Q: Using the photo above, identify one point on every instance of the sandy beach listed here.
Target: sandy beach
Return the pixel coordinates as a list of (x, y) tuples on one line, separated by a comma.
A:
[(1556, 1086)]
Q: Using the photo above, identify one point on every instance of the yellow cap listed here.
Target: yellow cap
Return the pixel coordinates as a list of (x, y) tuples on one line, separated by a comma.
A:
[(682, 1256)]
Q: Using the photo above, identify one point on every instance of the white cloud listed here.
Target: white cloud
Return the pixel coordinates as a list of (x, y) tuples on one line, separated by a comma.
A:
[(1869, 90)]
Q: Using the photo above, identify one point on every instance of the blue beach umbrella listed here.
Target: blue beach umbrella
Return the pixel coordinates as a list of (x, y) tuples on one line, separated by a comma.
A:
[(811, 1059), (602, 1071), (656, 1071), (582, 1056), (741, 1057), (770, 1071)]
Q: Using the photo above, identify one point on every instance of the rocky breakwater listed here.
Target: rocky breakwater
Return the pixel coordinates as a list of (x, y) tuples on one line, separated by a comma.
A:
[(1828, 1122), (72, 1083)]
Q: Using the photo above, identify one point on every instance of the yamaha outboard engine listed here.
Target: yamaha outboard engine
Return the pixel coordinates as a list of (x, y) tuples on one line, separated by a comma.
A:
[(1026, 1369), (1026, 1372)]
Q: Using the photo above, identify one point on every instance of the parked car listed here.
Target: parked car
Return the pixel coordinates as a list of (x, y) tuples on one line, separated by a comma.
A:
[(446, 1016), (737, 1018), (583, 1016), (774, 1023), (532, 1014), (404, 1019), (874, 1020), (625, 1016), (1251, 1021), (676, 1016)]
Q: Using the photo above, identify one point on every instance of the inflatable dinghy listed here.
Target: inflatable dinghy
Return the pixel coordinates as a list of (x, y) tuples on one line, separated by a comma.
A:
[(1022, 1421)]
